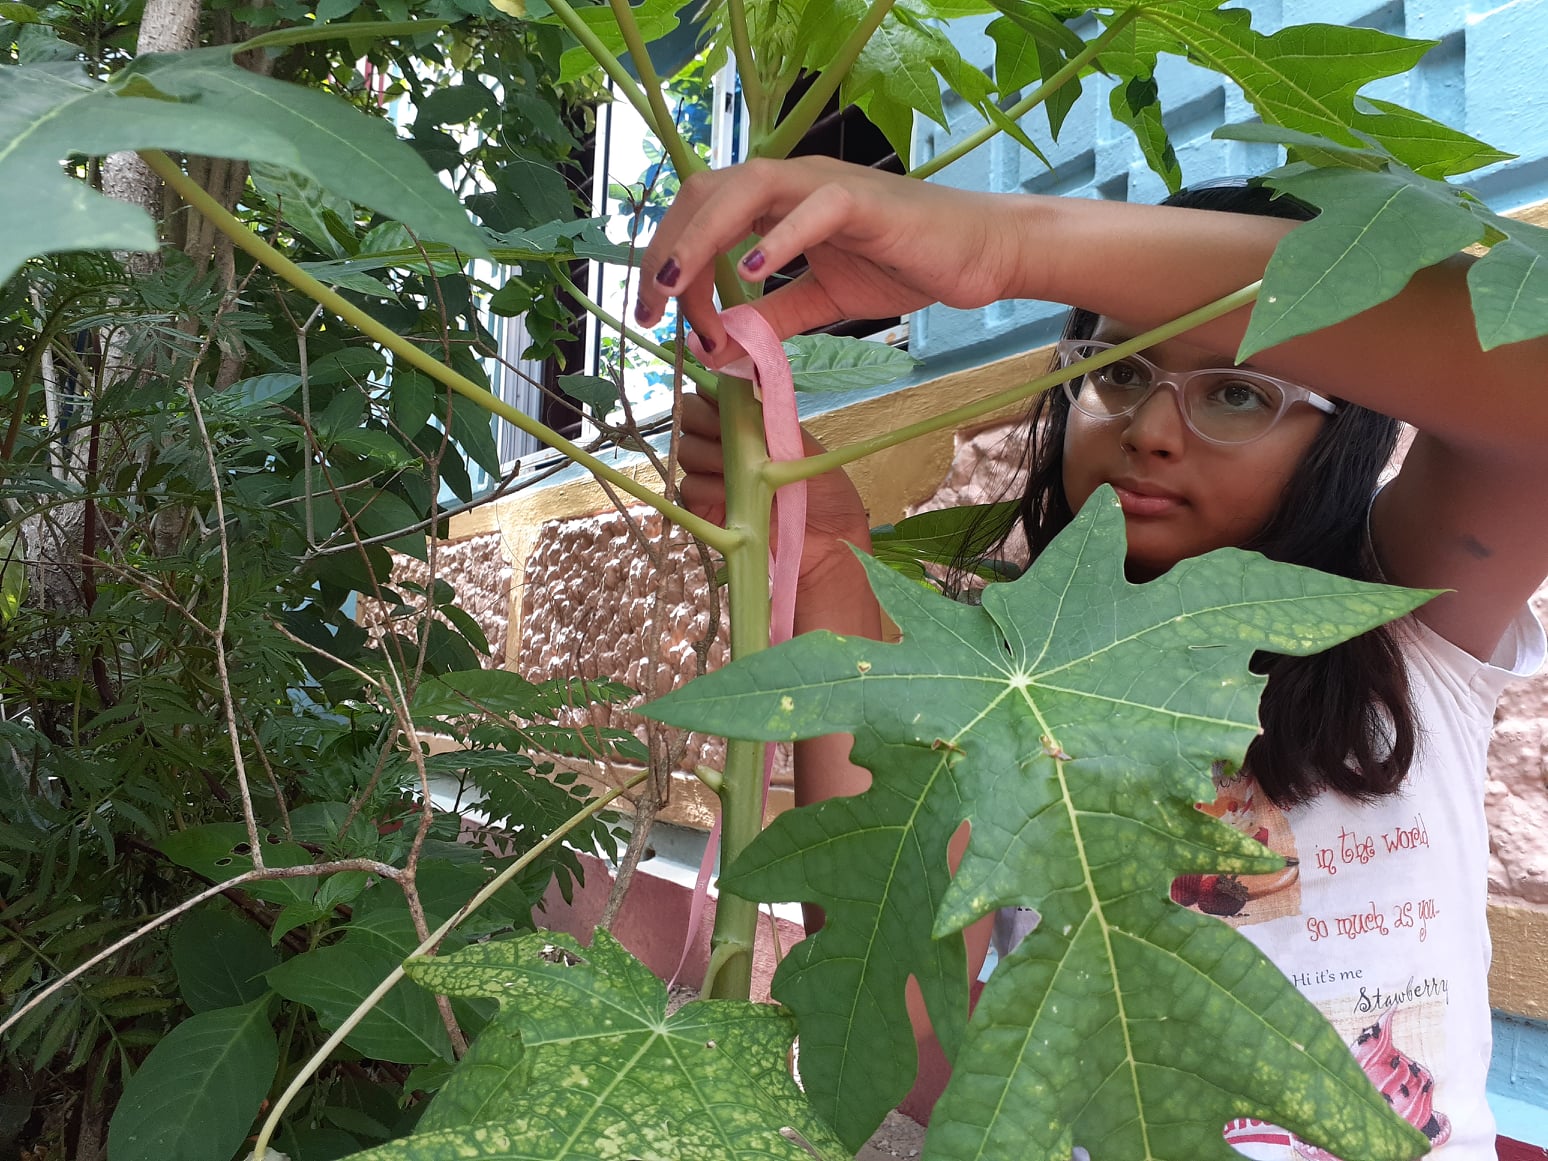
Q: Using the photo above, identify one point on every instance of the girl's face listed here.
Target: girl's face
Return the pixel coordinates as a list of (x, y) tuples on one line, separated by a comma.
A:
[(1182, 496)]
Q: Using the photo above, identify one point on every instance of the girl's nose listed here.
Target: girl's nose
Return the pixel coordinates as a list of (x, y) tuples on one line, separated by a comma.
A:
[(1157, 426)]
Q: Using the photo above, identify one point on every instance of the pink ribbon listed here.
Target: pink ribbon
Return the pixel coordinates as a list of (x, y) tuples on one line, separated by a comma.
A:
[(769, 368)]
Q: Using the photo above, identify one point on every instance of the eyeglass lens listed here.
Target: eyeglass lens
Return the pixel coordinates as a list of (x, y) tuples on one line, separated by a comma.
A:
[(1220, 405)]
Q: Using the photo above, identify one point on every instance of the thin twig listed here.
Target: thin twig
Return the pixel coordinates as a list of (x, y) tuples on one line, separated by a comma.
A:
[(305, 1073), (371, 866), (218, 636)]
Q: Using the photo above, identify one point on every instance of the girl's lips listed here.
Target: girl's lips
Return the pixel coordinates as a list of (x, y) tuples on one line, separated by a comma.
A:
[(1136, 503)]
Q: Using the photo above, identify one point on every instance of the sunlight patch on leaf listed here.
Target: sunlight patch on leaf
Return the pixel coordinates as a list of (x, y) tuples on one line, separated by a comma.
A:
[(583, 1062)]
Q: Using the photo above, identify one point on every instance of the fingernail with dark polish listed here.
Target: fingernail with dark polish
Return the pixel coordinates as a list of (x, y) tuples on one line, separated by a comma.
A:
[(707, 343), (641, 313), (753, 262), (669, 273)]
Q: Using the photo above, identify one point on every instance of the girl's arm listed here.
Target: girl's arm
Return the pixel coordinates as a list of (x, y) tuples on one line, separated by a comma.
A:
[(1467, 513)]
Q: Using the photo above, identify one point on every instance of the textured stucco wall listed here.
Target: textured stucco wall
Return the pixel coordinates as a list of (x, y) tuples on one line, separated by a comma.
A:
[(476, 566), (594, 604), (1517, 799)]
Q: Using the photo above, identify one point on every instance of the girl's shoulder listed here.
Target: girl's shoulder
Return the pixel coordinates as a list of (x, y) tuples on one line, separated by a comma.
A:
[(1448, 671)]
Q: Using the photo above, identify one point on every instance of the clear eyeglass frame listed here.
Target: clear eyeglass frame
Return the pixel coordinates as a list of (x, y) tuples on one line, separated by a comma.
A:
[(1072, 351)]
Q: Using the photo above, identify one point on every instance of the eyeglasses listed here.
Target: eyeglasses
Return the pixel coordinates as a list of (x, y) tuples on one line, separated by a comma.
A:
[(1219, 404)]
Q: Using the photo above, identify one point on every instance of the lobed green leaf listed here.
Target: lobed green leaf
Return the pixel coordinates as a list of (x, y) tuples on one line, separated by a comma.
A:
[(1375, 230), (1073, 718), (583, 1062)]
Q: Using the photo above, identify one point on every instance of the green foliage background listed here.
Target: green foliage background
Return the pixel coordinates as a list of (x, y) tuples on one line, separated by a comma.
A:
[(204, 472)]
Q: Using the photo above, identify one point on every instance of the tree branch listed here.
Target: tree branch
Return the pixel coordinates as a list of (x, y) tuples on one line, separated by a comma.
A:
[(255, 246), (778, 474)]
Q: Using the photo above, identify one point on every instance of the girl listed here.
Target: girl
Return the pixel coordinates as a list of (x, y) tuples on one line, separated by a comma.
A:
[(1369, 775)]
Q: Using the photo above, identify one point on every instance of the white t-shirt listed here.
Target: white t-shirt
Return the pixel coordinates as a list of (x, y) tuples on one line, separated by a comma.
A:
[(1382, 922)]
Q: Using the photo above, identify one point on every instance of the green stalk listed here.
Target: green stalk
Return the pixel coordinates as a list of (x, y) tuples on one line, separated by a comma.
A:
[(753, 92), (779, 474), (407, 352), (748, 498), (700, 377), (611, 65), (684, 160), (789, 131), (1033, 99)]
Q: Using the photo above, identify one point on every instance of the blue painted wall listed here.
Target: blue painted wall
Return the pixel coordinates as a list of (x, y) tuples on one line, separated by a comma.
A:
[(1485, 76), (1518, 1079)]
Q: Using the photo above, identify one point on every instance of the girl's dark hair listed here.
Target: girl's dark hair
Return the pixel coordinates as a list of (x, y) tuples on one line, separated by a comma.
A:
[(1339, 720)]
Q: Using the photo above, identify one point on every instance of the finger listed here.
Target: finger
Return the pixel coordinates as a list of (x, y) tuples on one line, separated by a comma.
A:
[(705, 497), (700, 456), (699, 415), (811, 221), (712, 213)]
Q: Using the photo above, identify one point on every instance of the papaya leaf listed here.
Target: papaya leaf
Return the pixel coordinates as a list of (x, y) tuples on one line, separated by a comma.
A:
[(1305, 77), (1375, 230), (834, 363), (1428, 147), (1509, 284), (193, 102), (895, 75), (1073, 718), (198, 1091), (1136, 103), (1306, 147), (655, 19), (583, 1062)]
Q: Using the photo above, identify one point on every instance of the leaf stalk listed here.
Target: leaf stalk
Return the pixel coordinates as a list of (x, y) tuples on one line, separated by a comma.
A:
[(800, 119), (748, 499), (611, 65), (401, 348), (753, 92), (684, 159), (701, 377), (785, 472), (1069, 71)]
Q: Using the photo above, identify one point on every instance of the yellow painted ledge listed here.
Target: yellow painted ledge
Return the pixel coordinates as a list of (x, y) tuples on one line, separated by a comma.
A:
[(889, 481), (1518, 980)]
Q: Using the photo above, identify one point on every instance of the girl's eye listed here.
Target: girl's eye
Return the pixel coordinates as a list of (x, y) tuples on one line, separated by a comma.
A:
[(1123, 374), (1238, 395)]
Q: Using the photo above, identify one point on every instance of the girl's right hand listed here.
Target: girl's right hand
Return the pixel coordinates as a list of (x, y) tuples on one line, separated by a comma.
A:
[(835, 515), (876, 245)]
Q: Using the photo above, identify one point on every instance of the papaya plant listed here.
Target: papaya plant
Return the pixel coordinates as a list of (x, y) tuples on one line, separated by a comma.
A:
[(1078, 743)]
